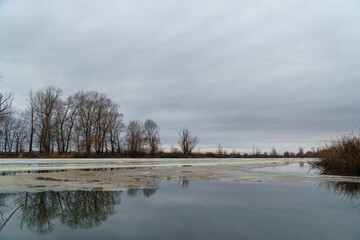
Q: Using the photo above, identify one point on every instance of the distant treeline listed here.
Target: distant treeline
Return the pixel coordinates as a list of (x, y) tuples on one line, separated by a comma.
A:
[(160, 154), (89, 124)]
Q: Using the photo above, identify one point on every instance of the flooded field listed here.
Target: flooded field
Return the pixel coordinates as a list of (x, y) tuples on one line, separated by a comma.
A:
[(175, 199)]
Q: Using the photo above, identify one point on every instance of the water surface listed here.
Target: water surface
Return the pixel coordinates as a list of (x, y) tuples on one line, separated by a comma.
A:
[(184, 208), (178, 210)]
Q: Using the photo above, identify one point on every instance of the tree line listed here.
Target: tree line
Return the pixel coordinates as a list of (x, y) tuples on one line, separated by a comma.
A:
[(86, 123), (90, 123)]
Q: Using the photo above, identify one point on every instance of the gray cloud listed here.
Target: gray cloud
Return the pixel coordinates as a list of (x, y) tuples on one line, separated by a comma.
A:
[(243, 73)]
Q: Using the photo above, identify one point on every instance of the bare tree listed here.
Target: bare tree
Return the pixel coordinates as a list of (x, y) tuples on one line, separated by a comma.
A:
[(301, 152), (152, 135), (29, 118), (220, 150), (47, 101), (19, 135), (12, 134), (69, 125), (7, 128), (96, 116), (6, 100), (86, 103), (64, 123), (135, 137), (105, 112), (187, 142), (115, 131), (274, 152)]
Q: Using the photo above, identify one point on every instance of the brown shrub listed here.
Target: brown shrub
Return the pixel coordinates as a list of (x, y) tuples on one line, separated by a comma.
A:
[(341, 156)]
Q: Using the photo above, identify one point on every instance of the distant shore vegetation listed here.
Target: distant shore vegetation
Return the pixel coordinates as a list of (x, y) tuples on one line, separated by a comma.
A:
[(89, 124)]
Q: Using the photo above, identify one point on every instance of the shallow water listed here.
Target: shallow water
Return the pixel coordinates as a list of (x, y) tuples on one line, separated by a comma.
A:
[(300, 168), (302, 207), (14, 165)]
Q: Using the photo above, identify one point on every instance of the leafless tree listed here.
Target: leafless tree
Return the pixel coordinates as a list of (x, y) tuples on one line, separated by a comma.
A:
[(86, 103), (19, 135), (6, 129), (12, 134), (152, 135), (301, 152), (135, 137), (274, 152), (29, 119), (6, 100), (65, 121), (187, 142), (96, 117), (69, 124), (220, 150), (115, 131), (47, 101), (105, 112)]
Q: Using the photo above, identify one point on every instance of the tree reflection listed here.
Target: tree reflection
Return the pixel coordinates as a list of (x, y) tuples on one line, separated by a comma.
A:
[(349, 191), (184, 183), (147, 192), (39, 211), (87, 209), (76, 209), (4, 207)]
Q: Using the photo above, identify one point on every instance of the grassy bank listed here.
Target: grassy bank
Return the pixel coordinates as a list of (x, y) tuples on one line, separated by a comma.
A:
[(341, 156)]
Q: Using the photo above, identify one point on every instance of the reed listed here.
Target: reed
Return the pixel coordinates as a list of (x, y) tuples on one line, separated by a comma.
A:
[(341, 156)]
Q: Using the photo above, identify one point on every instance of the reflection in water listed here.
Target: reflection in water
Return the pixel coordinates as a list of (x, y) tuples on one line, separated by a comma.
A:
[(184, 183), (147, 191), (4, 207), (39, 211), (349, 191), (301, 165), (75, 209), (89, 209)]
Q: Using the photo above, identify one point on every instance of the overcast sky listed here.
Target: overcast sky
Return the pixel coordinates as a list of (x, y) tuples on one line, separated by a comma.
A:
[(241, 73)]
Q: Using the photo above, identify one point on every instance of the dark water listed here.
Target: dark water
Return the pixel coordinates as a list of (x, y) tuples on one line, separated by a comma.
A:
[(189, 210)]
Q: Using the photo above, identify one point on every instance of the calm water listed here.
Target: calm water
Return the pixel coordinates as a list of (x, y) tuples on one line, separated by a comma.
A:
[(182, 209), (300, 168)]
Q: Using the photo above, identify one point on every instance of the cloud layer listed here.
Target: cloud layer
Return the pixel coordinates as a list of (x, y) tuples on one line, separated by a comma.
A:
[(241, 73)]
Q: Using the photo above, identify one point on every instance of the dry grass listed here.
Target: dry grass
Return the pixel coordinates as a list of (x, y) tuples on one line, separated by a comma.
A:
[(341, 156)]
